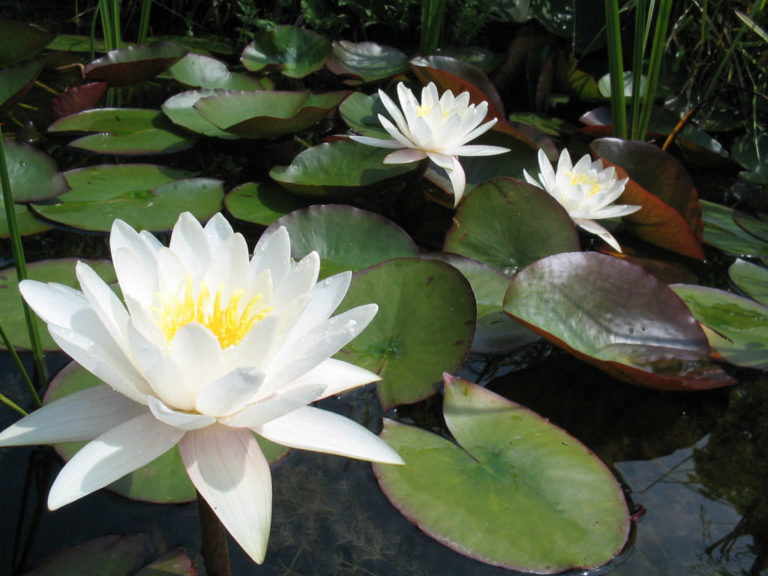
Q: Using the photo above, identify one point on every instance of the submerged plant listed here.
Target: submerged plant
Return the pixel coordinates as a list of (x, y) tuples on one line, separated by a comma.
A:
[(437, 128), (587, 191), (209, 348)]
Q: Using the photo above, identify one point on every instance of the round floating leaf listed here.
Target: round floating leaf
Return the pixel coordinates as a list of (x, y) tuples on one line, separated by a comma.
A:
[(200, 71), (722, 232), (180, 108), (750, 278), (33, 174), (16, 80), (104, 556), (366, 61), (514, 490), (21, 41), (124, 131), (150, 209), (134, 64), (758, 227), (295, 52), (496, 332), (339, 169), (671, 214), (424, 326), (267, 114), (163, 480), (261, 202), (361, 113), (11, 311), (78, 98), (737, 328), (346, 238), (508, 224), (26, 222), (617, 317)]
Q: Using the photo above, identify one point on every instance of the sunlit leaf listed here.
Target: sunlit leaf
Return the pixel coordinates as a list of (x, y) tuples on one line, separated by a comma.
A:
[(199, 71), (261, 202), (180, 108), (751, 279), (617, 317), (514, 490), (366, 61), (361, 113), (33, 174), (722, 232), (295, 52)]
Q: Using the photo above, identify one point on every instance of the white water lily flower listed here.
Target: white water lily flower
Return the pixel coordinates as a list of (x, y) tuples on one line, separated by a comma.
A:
[(210, 347), (586, 191), (438, 128)]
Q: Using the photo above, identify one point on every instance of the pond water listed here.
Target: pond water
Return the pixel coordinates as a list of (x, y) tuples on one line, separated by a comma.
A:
[(693, 467)]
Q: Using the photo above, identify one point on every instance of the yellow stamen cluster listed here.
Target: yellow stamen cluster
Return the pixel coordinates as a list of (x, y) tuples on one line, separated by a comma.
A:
[(589, 179), (227, 321)]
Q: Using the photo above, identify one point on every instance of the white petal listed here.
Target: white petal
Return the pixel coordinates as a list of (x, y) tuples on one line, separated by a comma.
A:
[(137, 277), (185, 421), (104, 302), (190, 243), (322, 431), (326, 297), (54, 303), (217, 230), (229, 266), (337, 377), (406, 141), (475, 150), (272, 253), (257, 347), (376, 142), (614, 211), (229, 393), (111, 456), (299, 281), (274, 406), (197, 352), (229, 470), (395, 112), (80, 416), (405, 156), (595, 228)]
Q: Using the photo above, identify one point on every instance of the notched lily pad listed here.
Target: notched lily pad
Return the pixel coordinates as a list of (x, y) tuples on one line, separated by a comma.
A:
[(617, 317), (180, 108), (339, 169), (33, 174), (267, 114), (199, 71), (261, 202), (515, 490), (134, 64), (21, 41), (295, 52), (366, 61)]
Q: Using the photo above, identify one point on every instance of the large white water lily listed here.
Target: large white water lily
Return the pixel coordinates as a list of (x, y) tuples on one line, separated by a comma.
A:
[(437, 128), (587, 191), (211, 346)]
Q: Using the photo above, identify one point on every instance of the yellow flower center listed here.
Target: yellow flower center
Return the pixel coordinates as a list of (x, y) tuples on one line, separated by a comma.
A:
[(423, 110), (228, 321), (588, 179)]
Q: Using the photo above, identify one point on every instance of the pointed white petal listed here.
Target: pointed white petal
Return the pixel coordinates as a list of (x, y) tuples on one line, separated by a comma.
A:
[(326, 297), (475, 150), (376, 142), (117, 452), (322, 431), (406, 141), (54, 303), (274, 406), (190, 244), (394, 111), (229, 470), (80, 416), (229, 393), (217, 230), (272, 253), (595, 228), (185, 421), (337, 377), (229, 266), (104, 302), (299, 281), (197, 352), (405, 156), (137, 277)]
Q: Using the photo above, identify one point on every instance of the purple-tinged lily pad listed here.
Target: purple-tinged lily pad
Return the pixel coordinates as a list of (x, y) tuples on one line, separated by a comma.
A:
[(263, 114), (722, 232), (737, 328), (164, 480), (671, 214), (108, 555), (346, 238), (366, 61), (199, 71), (125, 131), (339, 169), (33, 174), (750, 279), (295, 52), (21, 41), (508, 224), (61, 271), (134, 64), (16, 80), (261, 202), (514, 490), (617, 317), (78, 98), (424, 326)]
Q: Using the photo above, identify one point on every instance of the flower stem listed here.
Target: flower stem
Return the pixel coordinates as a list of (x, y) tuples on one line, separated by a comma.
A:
[(215, 551)]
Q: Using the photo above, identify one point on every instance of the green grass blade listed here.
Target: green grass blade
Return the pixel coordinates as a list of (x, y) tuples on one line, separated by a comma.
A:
[(616, 68)]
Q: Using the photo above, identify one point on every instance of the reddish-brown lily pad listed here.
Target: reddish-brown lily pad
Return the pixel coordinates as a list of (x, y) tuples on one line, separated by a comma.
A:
[(134, 64), (78, 98), (617, 317)]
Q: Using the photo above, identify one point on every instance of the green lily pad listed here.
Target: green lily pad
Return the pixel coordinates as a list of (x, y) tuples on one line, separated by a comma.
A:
[(267, 114), (164, 480), (76, 43), (508, 224), (346, 238), (26, 221), (261, 202), (671, 214), (134, 64), (16, 80), (366, 61), (722, 232), (199, 71), (757, 227), (33, 174), (617, 317), (424, 326), (130, 131), (737, 328), (361, 113), (155, 209), (21, 41), (181, 110), (61, 271), (295, 52), (104, 556), (339, 168), (514, 490), (751, 279), (496, 332)]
